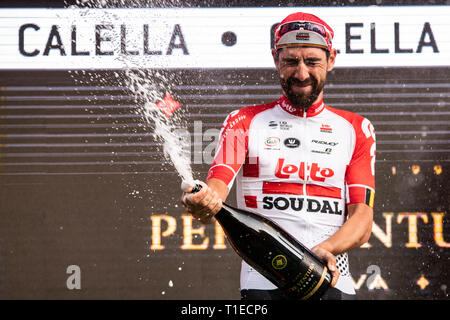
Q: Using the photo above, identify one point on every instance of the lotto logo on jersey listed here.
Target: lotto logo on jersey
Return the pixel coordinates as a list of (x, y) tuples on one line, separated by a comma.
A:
[(284, 171)]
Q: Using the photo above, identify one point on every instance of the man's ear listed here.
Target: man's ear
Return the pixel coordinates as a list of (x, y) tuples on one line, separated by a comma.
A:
[(331, 59), (275, 59)]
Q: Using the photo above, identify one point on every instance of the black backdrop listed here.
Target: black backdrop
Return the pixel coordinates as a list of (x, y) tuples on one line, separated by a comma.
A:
[(81, 179)]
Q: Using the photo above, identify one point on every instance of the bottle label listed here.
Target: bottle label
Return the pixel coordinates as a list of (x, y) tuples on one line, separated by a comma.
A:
[(307, 282), (317, 286), (279, 262)]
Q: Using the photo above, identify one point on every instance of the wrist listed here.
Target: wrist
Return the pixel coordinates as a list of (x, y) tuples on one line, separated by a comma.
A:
[(326, 245)]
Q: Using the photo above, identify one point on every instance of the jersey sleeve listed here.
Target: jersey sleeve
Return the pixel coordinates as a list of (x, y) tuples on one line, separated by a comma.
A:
[(232, 147), (360, 174)]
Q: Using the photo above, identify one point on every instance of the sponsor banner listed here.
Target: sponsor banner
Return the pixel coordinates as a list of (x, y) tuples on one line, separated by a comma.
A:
[(214, 37)]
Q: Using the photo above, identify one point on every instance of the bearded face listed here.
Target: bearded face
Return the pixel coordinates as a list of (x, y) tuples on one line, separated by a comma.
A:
[(304, 98), (302, 72)]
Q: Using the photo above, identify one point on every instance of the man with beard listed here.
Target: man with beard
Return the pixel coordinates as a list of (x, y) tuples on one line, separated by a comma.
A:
[(297, 161)]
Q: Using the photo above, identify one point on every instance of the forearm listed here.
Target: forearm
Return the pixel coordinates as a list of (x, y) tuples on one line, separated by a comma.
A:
[(219, 186), (354, 232)]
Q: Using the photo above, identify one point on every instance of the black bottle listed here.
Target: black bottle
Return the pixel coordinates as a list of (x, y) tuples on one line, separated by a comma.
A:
[(274, 253)]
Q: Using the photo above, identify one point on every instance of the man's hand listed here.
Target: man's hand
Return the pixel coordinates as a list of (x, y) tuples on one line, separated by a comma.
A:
[(328, 258), (203, 205)]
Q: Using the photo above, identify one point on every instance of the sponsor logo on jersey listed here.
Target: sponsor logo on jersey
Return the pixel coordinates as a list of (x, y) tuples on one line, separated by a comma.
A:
[(230, 122), (298, 203), (326, 151), (273, 124), (327, 143), (284, 171), (292, 142), (288, 107), (284, 125), (272, 142), (324, 143), (326, 128)]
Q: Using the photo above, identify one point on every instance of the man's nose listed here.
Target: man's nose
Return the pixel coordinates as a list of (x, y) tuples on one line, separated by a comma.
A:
[(301, 73)]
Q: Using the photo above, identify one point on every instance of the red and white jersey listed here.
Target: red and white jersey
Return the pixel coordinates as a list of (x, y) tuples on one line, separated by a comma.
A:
[(298, 169)]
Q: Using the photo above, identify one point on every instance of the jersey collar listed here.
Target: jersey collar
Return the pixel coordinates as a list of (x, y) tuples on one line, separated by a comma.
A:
[(313, 110)]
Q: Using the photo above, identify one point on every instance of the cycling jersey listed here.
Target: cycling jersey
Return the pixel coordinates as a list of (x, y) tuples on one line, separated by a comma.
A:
[(299, 169)]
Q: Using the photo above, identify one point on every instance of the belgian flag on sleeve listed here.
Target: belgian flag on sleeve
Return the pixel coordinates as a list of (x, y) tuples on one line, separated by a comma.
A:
[(370, 197)]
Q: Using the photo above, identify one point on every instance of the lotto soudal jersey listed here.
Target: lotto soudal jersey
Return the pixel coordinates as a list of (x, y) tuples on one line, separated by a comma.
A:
[(299, 169)]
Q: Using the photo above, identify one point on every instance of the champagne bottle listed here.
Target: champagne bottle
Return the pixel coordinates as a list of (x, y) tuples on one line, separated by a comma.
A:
[(274, 253)]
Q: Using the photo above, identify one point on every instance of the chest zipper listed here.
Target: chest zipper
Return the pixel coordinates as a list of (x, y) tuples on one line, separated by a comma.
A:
[(306, 148)]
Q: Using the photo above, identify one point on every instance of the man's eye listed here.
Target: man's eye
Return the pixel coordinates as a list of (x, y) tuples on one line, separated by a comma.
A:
[(311, 62), (291, 62)]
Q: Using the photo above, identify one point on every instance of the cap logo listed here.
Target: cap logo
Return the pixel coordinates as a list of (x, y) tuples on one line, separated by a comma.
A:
[(303, 28), (302, 36)]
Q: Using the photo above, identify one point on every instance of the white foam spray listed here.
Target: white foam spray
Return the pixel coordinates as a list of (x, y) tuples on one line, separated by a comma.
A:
[(147, 87)]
